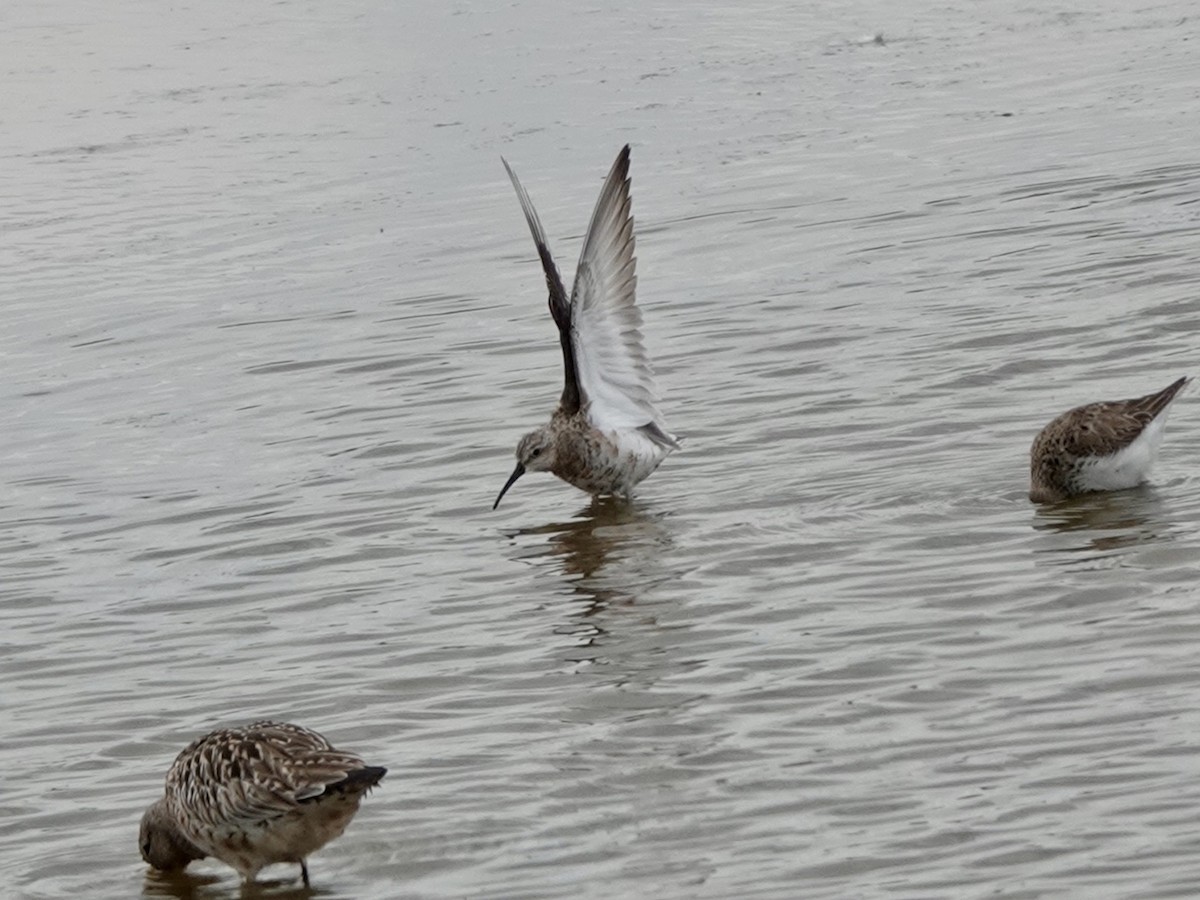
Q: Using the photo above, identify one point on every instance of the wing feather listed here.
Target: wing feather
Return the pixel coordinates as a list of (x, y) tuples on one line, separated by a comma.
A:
[(1100, 429), (615, 377), (255, 773), (560, 306)]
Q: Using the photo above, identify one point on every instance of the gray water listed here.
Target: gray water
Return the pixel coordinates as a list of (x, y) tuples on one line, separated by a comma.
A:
[(273, 324)]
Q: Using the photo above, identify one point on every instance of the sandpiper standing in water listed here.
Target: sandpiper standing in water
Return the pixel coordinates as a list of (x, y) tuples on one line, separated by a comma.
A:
[(1099, 447), (607, 434), (252, 796)]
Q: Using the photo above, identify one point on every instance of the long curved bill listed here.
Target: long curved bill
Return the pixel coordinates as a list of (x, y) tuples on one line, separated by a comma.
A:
[(517, 473)]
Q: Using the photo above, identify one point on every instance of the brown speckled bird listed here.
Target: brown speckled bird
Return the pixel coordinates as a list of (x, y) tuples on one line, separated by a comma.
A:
[(264, 793), (1099, 447)]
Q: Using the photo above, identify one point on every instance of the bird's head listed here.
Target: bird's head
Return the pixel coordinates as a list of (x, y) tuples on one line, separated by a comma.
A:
[(535, 453), (162, 844)]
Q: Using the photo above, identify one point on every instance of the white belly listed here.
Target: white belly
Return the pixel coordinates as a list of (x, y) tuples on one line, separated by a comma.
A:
[(1127, 467), (637, 457)]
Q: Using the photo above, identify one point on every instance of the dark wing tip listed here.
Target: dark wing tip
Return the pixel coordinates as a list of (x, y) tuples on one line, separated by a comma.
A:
[(369, 775), (621, 165), (361, 779), (1156, 403), (560, 305), (660, 437), (512, 176)]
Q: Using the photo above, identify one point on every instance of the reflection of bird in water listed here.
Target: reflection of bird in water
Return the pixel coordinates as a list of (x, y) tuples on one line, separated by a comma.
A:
[(186, 885), (617, 589), (1109, 521), (605, 530)]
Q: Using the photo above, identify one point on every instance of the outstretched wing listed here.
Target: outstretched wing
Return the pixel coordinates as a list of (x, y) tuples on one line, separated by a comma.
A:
[(560, 307), (613, 370)]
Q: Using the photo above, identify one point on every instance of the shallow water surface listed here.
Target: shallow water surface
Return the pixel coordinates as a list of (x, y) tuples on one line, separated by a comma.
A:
[(274, 325)]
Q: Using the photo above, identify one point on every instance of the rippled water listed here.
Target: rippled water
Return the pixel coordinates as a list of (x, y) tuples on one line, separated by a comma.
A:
[(273, 325)]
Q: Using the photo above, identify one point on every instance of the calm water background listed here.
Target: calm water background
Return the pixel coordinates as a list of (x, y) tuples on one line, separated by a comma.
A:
[(272, 325)]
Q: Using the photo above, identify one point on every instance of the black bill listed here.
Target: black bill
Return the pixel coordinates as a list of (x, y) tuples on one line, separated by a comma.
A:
[(517, 473)]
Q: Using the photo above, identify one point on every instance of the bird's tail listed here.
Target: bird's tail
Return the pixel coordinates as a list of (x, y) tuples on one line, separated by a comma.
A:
[(358, 781)]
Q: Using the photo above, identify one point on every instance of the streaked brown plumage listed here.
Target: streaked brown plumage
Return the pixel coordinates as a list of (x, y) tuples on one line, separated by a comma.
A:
[(1100, 446), (251, 796)]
